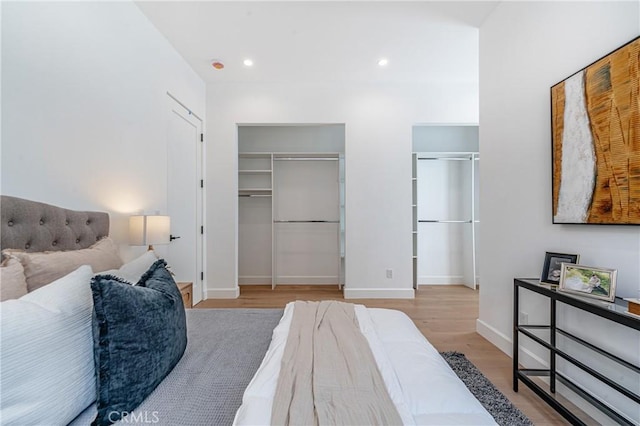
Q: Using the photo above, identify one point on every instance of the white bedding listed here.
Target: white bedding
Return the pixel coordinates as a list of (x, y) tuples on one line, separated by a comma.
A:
[(421, 384)]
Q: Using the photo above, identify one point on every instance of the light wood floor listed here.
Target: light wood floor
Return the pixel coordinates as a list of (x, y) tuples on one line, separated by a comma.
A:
[(446, 315)]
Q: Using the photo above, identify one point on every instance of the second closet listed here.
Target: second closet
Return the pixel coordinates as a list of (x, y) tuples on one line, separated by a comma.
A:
[(446, 214), (291, 204)]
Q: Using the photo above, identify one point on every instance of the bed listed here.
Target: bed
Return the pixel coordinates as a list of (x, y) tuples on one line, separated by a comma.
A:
[(229, 369)]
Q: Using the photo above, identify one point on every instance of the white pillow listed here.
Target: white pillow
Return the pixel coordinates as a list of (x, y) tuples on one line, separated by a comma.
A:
[(47, 372), (133, 270)]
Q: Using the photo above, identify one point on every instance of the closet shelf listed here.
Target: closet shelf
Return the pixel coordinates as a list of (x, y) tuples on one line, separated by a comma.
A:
[(306, 221), (254, 191), (446, 158), (305, 155), (305, 159), (254, 171), (254, 155), (445, 221)]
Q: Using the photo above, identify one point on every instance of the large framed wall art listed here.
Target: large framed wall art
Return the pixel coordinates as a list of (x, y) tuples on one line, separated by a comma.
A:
[(595, 120)]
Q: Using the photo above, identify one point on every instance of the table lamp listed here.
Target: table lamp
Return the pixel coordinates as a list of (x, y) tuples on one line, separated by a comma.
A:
[(149, 230)]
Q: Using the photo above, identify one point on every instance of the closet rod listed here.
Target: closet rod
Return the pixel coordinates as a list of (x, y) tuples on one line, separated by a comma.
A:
[(253, 195), (306, 221), (446, 158), (305, 158), (445, 221)]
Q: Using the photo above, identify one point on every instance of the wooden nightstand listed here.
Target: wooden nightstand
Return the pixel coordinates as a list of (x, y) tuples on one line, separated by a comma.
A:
[(187, 294)]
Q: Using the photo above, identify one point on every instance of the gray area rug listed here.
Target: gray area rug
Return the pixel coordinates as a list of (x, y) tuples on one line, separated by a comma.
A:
[(498, 405)]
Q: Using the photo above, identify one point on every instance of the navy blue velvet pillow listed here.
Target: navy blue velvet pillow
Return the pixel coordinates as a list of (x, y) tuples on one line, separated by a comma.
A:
[(139, 335)]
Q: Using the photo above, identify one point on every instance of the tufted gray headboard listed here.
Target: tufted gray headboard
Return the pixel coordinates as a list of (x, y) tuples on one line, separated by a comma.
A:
[(33, 226)]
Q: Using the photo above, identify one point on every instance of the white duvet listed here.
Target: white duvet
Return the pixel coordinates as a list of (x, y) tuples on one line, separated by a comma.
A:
[(421, 384)]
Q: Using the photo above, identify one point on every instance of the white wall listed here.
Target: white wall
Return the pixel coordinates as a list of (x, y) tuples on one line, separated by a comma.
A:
[(84, 106), (525, 48), (378, 121)]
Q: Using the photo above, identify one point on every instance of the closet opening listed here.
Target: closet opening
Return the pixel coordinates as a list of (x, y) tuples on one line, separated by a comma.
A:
[(446, 214), (291, 201)]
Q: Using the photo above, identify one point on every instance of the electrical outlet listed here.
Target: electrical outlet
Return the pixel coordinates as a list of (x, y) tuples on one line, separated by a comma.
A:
[(524, 318), (389, 273)]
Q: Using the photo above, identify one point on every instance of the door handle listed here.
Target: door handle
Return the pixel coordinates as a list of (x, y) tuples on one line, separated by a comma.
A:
[(171, 238)]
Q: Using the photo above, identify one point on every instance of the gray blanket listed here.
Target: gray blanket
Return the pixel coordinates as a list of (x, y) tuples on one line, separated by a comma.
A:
[(225, 348)]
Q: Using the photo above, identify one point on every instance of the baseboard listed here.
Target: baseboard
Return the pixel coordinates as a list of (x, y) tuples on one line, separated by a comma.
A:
[(308, 280), (379, 293), (287, 280), (440, 279), (531, 360), (254, 280), (505, 344), (222, 293), (499, 340)]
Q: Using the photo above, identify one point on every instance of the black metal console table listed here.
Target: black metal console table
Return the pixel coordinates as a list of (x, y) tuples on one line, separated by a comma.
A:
[(615, 312)]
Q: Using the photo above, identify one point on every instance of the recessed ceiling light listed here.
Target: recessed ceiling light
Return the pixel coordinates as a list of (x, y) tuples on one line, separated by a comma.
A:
[(383, 62), (248, 63)]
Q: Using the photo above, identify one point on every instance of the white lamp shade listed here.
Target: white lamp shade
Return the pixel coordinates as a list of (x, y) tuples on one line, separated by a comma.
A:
[(148, 230)]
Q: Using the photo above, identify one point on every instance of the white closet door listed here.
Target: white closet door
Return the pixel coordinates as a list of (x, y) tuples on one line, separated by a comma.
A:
[(184, 196), (307, 252)]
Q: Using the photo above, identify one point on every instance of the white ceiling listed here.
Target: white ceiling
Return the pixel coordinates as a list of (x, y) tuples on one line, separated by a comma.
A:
[(425, 41)]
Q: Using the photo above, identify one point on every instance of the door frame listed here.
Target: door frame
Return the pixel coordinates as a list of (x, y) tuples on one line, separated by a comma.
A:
[(176, 106)]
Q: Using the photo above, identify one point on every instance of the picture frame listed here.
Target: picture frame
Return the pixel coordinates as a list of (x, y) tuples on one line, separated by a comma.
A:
[(552, 266), (593, 145), (589, 281)]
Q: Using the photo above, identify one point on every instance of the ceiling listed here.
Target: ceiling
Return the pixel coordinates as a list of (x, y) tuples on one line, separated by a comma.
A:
[(424, 41)]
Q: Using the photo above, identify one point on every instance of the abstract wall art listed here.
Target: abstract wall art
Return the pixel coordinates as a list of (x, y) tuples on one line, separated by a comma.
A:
[(595, 121)]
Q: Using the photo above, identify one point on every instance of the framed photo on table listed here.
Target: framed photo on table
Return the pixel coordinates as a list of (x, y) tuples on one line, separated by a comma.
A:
[(552, 267), (599, 283)]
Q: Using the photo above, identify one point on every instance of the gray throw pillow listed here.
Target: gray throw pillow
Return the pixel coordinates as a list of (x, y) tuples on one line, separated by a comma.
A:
[(139, 335)]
